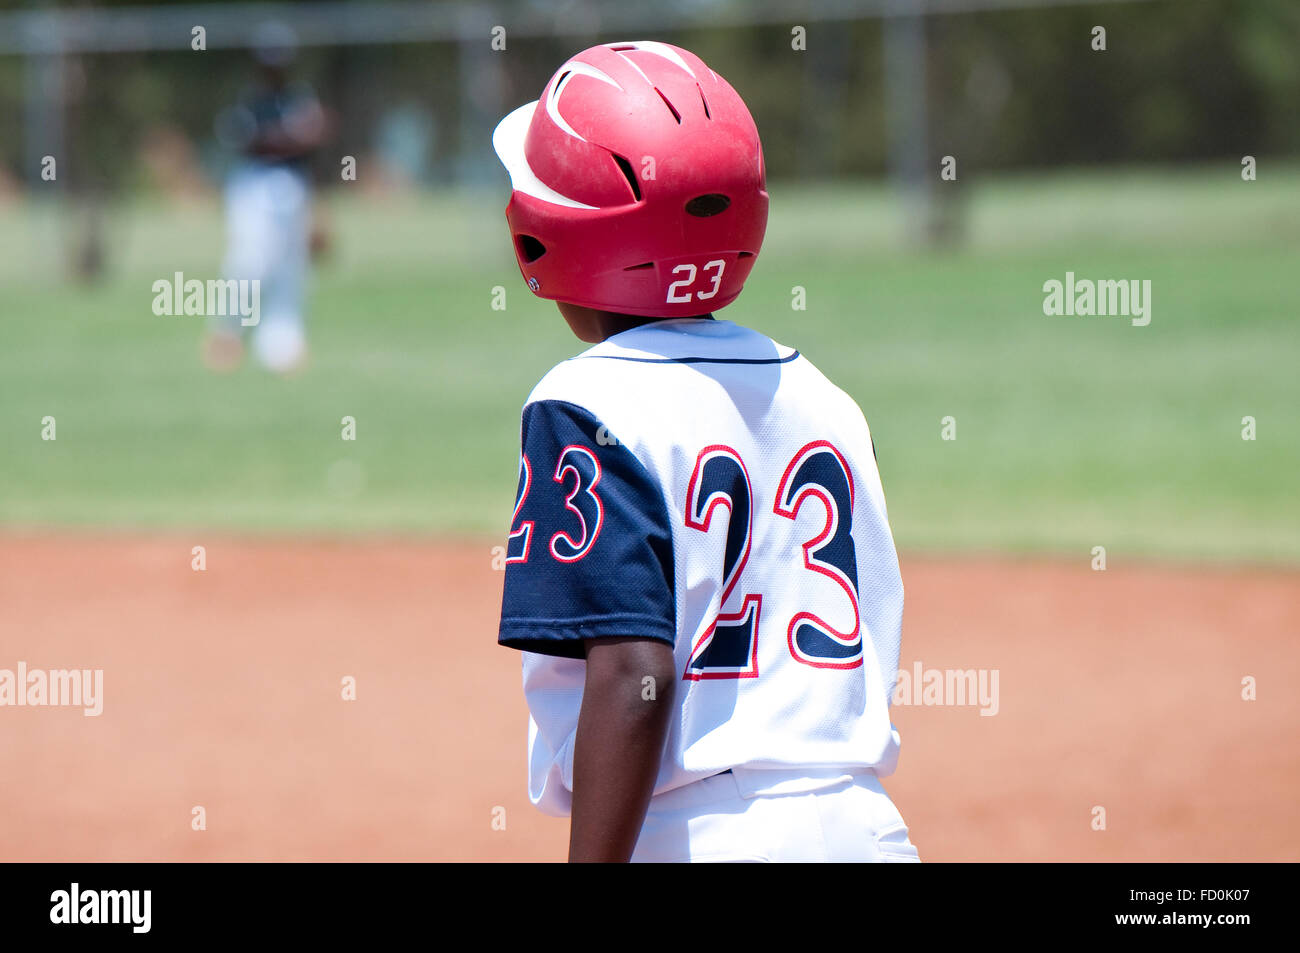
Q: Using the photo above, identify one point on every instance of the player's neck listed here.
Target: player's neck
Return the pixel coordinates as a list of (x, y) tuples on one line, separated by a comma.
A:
[(593, 326)]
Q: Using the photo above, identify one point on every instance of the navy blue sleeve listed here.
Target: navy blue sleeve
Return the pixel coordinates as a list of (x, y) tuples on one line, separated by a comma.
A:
[(590, 552)]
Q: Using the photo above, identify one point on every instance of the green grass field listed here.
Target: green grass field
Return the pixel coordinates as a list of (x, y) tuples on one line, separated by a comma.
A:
[(1072, 432)]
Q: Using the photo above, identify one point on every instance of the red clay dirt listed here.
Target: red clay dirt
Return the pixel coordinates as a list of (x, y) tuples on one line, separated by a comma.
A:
[(1119, 690)]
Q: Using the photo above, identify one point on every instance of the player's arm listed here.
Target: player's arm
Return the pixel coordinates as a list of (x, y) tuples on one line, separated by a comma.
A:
[(626, 704), (590, 575)]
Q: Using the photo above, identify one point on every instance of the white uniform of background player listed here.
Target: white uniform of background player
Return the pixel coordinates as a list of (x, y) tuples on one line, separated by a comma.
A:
[(691, 480)]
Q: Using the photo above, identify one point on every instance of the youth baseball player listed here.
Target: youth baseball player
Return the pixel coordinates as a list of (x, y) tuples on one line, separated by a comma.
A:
[(276, 126), (700, 570)]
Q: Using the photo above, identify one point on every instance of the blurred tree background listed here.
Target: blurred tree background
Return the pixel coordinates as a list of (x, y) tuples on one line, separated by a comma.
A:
[(1180, 80)]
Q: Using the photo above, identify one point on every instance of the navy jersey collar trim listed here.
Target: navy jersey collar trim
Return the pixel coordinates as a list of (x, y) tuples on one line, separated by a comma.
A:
[(693, 360)]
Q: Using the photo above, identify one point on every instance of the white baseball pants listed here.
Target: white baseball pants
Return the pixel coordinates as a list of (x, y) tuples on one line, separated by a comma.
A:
[(772, 816), (268, 217)]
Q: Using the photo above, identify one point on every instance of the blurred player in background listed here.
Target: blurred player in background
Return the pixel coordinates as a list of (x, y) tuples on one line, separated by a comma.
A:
[(276, 126)]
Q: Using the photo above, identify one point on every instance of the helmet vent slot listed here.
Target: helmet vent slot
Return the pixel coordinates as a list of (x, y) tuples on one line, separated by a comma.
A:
[(671, 109), (641, 267), (704, 206), (745, 254), (626, 168), (707, 115), (530, 249)]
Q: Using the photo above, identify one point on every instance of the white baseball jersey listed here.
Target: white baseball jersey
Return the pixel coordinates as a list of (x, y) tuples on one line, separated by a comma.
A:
[(695, 482)]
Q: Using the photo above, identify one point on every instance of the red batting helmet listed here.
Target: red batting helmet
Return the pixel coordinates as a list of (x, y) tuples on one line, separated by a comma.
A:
[(638, 183)]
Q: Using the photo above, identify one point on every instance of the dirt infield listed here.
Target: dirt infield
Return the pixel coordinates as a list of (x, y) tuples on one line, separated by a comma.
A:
[(1119, 690)]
